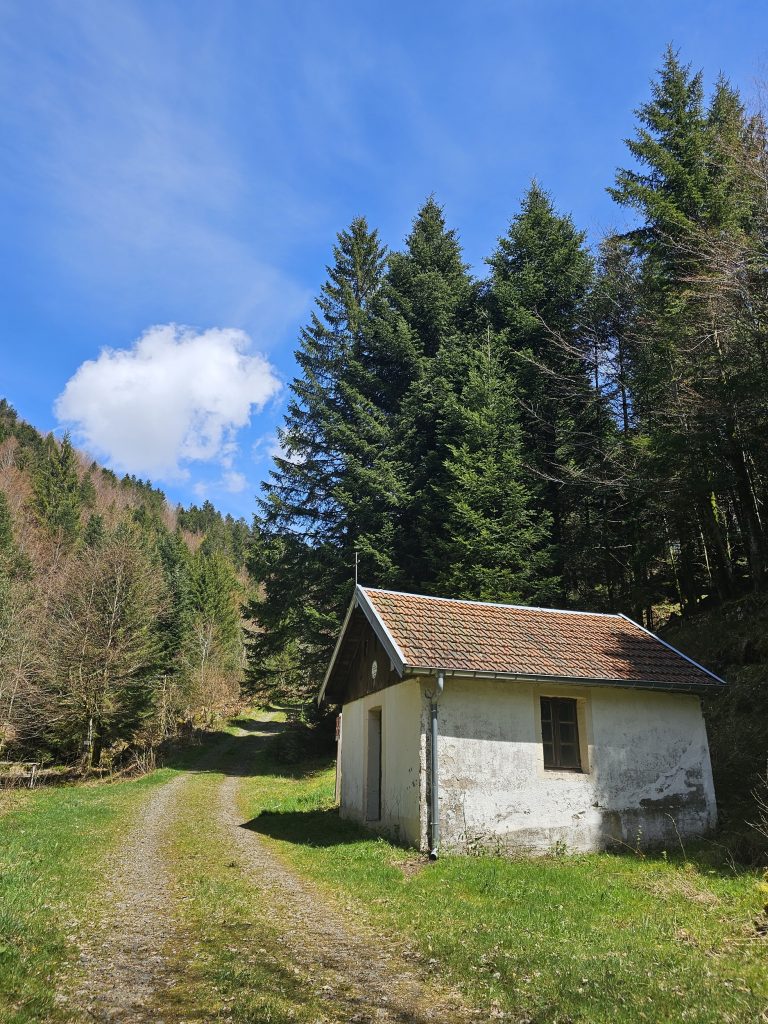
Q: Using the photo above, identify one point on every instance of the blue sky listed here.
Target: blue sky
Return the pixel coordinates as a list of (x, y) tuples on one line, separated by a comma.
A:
[(189, 163)]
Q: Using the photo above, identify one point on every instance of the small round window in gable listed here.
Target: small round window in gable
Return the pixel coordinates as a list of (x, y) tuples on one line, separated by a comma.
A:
[(374, 669)]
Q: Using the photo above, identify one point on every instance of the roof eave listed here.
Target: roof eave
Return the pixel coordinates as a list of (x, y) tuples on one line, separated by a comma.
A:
[(381, 630), (337, 648), (680, 654), (632, 684)]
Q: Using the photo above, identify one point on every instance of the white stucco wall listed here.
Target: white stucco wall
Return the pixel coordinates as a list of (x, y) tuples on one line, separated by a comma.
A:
[(401, 758), (646, 758)]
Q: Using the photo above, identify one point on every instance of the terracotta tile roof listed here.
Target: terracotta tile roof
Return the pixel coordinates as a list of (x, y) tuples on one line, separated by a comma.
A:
[(470, 636)]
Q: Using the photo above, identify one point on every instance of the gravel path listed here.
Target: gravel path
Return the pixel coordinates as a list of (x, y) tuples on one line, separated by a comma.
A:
[(124, 959), (130, 954), (365, 978)]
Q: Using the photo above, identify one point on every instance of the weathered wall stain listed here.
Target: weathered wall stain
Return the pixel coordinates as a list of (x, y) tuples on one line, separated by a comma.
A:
[(647, 778)]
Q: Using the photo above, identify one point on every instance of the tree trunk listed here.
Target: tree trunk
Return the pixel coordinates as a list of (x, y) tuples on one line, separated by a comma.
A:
[(96, 743), (722, 572), (750, 517)]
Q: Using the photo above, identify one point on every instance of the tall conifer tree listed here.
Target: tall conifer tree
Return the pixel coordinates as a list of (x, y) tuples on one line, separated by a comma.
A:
[(57, 495), (696, 365), (541, 275), (494, 546), (430, 293), (7, 546), (334, 485)]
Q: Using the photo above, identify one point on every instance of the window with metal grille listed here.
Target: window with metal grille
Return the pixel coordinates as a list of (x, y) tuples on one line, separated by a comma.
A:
[(560, 734)]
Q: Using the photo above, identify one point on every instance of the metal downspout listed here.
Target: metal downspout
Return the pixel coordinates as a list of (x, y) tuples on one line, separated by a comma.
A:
[(434, 774)]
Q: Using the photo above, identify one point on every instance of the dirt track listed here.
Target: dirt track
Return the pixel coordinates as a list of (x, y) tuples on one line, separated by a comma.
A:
[(124, 958), (130, 958)]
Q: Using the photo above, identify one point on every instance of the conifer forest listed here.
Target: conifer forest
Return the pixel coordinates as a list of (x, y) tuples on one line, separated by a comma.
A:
[(578, 426), (463, 303)]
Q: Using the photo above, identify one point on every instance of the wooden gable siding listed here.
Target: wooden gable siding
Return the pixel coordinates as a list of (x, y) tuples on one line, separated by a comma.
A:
[(353, 676), (361, 681)]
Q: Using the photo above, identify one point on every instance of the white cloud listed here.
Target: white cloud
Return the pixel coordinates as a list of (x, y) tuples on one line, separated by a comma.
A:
[(234, 482), (271, 446), (176, 396)]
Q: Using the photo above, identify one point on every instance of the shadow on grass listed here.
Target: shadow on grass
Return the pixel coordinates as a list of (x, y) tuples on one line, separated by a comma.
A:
[(324, 828), (241, 756), (702, 856), (249, 725), (308, 828)]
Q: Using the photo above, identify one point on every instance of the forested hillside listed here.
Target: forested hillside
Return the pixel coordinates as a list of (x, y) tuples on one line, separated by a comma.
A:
[(119, 615), (578, 427)]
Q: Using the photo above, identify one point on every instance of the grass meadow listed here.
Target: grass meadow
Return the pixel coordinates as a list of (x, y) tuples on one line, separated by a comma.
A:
[(52, 846)]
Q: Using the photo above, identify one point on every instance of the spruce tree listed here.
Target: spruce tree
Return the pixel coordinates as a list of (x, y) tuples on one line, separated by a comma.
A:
[(14, 564), (622, 494), (541, 276), (214, 593), (56, 489), (670, 188), (333, 488), (93, 534), (431, 299), (172, 557), (697, 193), (175, 624), (494, 545), (238, 538), (7, 546), (88, 490), (428, 283)]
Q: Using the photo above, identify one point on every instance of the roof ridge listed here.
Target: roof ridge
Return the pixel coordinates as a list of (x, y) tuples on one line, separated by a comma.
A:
[(491, 604)]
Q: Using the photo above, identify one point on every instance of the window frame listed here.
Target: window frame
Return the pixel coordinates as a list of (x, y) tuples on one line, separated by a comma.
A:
[(555, 704)]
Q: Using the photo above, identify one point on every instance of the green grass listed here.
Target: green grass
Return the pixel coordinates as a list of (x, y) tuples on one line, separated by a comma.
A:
[(51, 846), (556, 940)]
